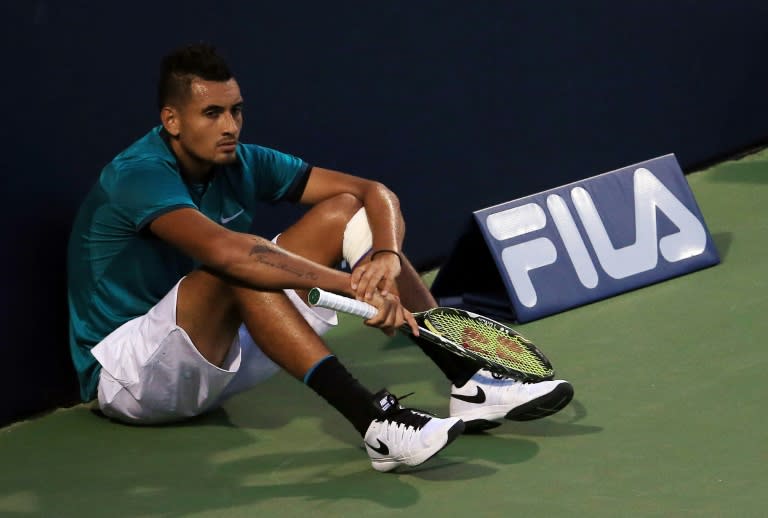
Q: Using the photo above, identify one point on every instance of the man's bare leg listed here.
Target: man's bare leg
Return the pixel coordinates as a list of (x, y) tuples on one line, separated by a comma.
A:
[(319, 235), (415, 296), (210, 309)]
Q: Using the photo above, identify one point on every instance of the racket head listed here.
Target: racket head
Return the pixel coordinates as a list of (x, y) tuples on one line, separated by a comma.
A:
[(497, 347)]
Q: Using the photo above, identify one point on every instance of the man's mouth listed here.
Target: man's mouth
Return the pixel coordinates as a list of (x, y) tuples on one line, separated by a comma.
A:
[(228, 145)]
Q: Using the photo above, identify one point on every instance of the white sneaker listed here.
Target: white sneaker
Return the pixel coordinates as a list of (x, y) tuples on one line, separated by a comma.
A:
[(487, 398), (406, 436)]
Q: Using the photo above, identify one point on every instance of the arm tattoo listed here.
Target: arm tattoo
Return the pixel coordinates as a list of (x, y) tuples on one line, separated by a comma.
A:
[(271, 257)]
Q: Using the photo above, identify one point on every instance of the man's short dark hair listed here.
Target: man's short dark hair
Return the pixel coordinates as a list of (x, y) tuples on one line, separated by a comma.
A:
[(180, 67)]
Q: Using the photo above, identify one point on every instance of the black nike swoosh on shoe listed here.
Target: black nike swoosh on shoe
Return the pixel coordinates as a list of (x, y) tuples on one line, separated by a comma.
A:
[(477, 398), (383, 449)]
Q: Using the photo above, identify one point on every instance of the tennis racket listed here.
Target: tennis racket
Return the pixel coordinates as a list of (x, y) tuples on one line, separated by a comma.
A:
[(488, 343)]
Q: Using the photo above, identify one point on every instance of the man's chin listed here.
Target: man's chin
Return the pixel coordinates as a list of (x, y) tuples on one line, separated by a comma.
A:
[(225, 158)]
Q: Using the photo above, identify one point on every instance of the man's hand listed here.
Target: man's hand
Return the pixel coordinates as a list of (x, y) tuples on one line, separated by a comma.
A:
[(379, 274), (391, 315)]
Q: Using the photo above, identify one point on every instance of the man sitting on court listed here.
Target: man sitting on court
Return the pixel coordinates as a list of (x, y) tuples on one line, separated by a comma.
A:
[(175, 307)]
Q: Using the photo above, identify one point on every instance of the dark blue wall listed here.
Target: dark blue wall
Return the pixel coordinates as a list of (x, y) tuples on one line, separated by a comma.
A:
[(456, 105)]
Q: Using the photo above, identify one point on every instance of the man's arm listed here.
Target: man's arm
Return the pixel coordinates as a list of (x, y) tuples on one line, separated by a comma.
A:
[(260, 264), (384, 216), (249, 259)]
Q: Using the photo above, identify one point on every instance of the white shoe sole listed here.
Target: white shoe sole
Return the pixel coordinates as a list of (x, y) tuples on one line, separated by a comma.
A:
[(488, 417), (385, 464)]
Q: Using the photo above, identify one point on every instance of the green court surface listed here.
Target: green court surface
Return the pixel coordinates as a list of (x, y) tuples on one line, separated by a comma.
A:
[(667, 420)]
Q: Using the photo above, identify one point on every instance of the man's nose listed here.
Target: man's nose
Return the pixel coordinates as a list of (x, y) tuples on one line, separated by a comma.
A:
[(230, 123)]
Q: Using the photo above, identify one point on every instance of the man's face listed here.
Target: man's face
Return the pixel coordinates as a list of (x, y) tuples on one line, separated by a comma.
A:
[(207, 124)]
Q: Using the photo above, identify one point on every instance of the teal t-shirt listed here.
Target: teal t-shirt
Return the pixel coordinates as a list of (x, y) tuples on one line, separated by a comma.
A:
[(117, 270)]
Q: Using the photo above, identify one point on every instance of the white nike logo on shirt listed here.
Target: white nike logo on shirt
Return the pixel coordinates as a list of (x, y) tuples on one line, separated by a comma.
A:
[(227, 220)]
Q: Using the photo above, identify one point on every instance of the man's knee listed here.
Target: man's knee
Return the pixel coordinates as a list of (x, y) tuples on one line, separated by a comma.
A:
[(346, 213), (319, 234), (336, 212)]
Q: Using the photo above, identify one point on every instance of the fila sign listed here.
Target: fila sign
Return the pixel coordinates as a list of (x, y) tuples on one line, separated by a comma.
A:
[(597, 237)]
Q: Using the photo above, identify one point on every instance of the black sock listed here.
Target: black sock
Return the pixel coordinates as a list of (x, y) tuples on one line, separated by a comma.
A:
[(333, 382), (457, 369)]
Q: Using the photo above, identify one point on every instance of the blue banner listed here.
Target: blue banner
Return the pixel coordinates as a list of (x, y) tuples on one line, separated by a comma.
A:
[(596, 238)]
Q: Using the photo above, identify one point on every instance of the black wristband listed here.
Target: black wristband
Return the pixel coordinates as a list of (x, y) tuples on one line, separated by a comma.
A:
[(399, 257)]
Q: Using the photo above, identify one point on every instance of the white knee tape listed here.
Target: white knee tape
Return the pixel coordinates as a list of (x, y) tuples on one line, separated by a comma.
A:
[(358, 239)]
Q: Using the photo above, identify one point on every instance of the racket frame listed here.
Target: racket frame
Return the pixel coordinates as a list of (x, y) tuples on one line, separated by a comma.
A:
[(322, 298)]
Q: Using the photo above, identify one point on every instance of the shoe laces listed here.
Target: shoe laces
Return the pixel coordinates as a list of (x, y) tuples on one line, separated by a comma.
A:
[(502, 377), (409, 418), (406, 417)]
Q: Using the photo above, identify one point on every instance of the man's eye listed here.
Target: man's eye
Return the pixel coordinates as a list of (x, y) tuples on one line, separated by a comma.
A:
[(211, 114)]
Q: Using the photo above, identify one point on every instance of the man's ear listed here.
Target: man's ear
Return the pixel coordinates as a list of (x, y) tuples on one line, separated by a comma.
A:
[(170, 118)]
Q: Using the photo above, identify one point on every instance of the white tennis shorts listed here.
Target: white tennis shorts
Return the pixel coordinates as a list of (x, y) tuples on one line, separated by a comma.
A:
[(152, 372)]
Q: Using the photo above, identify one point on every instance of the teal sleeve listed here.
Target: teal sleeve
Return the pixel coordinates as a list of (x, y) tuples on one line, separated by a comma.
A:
[(273, 172), (142, 190)]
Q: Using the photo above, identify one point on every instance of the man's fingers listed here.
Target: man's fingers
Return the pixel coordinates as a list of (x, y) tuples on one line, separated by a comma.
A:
[(367, 285), (411, 321), (391, 314), (356, 276), (373, 278), (387, 286)]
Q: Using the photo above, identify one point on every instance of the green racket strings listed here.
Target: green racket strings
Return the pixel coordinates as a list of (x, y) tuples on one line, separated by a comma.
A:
[(508, 350)]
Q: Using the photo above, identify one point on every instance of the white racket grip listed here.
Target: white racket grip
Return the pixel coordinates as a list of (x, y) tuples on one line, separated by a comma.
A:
[(326, 299)]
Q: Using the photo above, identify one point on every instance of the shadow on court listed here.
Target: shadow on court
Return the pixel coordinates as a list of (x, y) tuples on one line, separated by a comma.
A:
[(210, 463), (723, 242), (176, 470)]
